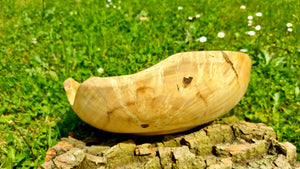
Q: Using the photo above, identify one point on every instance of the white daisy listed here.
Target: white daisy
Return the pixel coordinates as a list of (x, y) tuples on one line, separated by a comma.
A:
[(258, 27), (250, 17), (100, 70), (259, 14), (244, 50), (290, 29), (34, 41), (289, 25), (180, 8), (198, 16), (251, 33), (250, 23), (243, 7), (221, 34), (203, 39)]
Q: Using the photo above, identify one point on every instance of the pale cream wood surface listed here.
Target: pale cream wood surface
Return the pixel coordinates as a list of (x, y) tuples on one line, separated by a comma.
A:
[(181, 92)]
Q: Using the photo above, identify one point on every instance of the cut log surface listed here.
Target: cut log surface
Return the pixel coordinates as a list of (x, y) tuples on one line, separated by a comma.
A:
[(179, 93)]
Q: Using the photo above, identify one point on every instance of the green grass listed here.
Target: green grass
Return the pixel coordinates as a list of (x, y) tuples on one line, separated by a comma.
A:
[(43, 42)]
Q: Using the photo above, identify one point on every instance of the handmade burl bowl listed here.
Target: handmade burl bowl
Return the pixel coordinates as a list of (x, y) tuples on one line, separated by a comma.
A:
[(181, 92)]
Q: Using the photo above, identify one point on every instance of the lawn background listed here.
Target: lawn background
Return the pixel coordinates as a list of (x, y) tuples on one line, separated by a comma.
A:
[(43, 42)]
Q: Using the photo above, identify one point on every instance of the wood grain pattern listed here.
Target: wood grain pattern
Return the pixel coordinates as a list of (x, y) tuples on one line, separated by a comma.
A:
[(179, 93)]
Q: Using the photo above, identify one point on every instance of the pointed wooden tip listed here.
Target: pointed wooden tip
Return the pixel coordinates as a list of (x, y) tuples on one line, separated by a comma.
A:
[(71, 87)]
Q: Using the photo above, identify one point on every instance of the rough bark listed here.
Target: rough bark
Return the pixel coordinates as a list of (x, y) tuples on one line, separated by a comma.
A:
[(228, 143)]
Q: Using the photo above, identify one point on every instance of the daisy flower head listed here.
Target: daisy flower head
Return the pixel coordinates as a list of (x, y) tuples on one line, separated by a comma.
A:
[(34, 41), (221, 34), (258, 27), (198, 16), (180, 8), (250, 23), (290, 29), (11, 122), (289, 25), (203, 39), (100, 70), (259, 14), (250, 17), (190, 18), (243, 7), (244, 50), (251, 33)]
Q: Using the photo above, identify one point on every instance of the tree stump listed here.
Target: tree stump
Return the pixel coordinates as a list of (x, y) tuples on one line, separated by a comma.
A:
[(228, 143)]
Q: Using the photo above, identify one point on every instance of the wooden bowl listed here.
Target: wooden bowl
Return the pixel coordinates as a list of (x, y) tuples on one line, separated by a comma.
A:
[(181, 92)]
